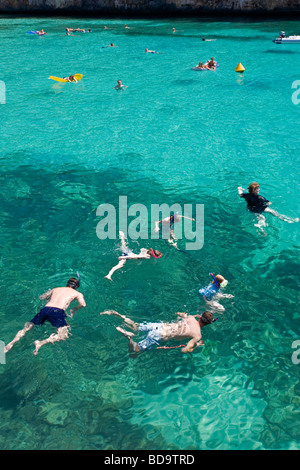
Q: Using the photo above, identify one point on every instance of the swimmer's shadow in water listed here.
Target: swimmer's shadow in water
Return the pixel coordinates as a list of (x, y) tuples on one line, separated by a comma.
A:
[(190, 81), (134, 355), (271, 51)]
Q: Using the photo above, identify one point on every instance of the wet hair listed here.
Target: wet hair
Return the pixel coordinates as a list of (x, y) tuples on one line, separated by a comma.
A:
[(219, 278), (157, 253), (207, 317), (73, 282), (252, 187)]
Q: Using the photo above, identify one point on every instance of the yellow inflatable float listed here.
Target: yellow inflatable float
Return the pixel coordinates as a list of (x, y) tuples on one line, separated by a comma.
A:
[(77, 76), (240, 68)]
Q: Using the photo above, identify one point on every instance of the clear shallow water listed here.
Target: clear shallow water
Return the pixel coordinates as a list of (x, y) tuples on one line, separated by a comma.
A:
[(173, 135)]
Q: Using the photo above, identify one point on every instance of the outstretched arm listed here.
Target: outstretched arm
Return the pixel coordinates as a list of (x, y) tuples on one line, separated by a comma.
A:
[(46, 295), (192, 344), (157, 223), (118, 266), (240, 190), (181, 314), (184, 217), (81, 303)]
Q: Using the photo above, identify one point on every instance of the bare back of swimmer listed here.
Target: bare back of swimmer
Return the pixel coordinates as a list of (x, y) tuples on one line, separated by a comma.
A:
[(53, 312), (188, 327)]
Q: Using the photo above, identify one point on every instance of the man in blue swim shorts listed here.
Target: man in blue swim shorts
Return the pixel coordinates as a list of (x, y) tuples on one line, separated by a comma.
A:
[(153, 337), (189, 326), (54, 312)]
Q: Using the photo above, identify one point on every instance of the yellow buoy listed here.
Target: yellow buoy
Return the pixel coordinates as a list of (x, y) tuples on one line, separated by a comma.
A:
[(240, 68)]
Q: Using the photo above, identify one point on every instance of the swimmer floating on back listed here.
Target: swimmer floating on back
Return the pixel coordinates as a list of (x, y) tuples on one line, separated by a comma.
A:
[(128, 254), (213, 290), (258, 204), (39, 33), (188, 327), (151, 52)]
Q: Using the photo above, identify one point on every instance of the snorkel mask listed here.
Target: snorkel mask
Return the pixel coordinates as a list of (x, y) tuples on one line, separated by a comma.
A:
[(73, 282), (204, 320), (172, 218), (222, 284), (154, 255)]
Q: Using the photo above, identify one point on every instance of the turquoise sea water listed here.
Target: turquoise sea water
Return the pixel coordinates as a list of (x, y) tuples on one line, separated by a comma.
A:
[(173, 136)]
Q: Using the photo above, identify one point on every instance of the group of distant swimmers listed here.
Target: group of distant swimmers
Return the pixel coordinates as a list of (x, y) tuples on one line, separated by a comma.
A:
[(186, 326), (68, 31), (209, 65)]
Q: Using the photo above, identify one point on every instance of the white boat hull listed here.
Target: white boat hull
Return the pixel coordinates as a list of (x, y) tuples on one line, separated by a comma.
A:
[(288, 40)]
